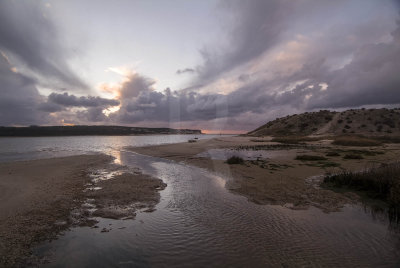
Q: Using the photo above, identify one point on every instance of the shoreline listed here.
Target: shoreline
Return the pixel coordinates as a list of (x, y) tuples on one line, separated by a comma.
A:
[(280, 179), (40, 199)]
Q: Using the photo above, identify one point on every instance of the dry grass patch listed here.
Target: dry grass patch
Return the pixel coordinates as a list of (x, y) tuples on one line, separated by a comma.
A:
[(380, 182), (295, 139), (306, 157), (355, 141)]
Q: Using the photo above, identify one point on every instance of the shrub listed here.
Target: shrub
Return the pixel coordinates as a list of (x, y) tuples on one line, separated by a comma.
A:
[(388, 139), (304, 125), (306, 157), (332, 154), (380, 182), (234, 160)]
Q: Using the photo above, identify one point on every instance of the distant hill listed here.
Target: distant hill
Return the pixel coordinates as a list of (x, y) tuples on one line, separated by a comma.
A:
[(36, 131), (369, 122)]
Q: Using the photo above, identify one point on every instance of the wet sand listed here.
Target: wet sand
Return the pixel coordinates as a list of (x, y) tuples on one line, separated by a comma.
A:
[(37, 197), (279, 179), (121, 196)]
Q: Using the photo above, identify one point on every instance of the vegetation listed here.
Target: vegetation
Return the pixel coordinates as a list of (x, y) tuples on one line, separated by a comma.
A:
[(361, 122), (355, 141), (234, 160), (37, 131), (295, 139), (275, 147), (353, 156), (323, 164), (306, 157), (332, 154), (381, 182), (388, 139)]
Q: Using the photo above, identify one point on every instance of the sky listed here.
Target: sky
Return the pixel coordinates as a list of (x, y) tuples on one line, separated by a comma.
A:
[(223, 66)]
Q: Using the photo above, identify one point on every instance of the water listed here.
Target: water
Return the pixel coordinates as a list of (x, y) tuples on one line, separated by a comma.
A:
[(26, 148), (198, 223)]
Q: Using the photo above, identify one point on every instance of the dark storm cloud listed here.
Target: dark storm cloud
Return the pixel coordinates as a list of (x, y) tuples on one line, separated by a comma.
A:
[(140, 102), (330, 44), (257, 26), (33, 39), (92, 114), (68, 100), (370, 76), (19, 98)]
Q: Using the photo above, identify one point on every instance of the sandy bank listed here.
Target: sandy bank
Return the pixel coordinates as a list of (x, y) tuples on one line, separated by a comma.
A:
[(279, 178), (120, 196), (37, 197)]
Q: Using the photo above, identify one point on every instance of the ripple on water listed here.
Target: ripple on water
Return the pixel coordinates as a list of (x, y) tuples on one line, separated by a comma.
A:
[(199, 223)]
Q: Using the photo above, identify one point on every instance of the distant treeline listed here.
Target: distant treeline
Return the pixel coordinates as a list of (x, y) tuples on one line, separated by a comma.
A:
[(37, 131)]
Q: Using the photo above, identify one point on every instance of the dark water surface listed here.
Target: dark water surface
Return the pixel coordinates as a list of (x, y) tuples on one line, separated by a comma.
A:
[(198, 223), (27, 148)]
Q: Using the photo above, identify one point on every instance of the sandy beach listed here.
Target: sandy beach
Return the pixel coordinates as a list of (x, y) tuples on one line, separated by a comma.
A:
[(280, 178), (37, 197)]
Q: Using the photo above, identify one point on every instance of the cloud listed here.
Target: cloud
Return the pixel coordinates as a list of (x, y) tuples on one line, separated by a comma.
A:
[(140, 102), (253, 27), (19, 98), (68, 100), (277, 58), (186, 70), (30, 36), (287, 56)]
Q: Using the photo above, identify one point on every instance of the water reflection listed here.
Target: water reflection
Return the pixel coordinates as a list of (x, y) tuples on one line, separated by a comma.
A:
[(385, 214), (25, 148), (199, 223)]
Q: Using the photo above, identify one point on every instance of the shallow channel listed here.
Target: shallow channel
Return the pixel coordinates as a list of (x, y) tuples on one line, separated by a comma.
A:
[(199, 223)]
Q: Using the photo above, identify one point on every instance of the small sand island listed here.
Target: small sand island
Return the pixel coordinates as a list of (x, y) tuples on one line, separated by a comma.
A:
[(39, 199)]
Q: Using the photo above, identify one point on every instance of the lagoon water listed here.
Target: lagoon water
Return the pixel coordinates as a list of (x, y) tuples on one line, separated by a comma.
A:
[(198, 223), (26, 148)]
